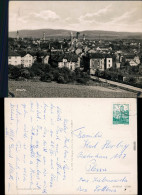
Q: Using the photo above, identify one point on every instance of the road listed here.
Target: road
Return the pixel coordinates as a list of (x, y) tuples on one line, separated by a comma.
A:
[(121, 85)]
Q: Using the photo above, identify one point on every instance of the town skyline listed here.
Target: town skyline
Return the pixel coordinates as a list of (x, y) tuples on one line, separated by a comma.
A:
[(76, 16)]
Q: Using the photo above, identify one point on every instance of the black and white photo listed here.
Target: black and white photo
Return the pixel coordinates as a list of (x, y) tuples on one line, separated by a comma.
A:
[(75, 49)]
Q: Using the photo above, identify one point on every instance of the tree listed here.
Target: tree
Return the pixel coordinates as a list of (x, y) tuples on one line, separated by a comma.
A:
[(97, 73), (15, 73), (127, 63), (25, 73), (47, 77), (61, 79), (37, 69), (39, 59)]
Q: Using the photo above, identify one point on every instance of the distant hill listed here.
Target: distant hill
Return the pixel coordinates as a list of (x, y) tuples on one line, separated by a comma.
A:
[(91, 34)]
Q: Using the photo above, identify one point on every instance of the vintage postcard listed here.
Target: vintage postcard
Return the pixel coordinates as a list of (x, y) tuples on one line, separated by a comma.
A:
[(70, 146), (75, 49)]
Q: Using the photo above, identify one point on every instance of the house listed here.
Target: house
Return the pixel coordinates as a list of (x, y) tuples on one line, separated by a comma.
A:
[(40, 55), (34, 58), (34, 55), (95, 61), (70, 61), (128, 57), (132, 59), (140, 69), (45, 59), (27, 59), (78, 51), (92, 51), (103, 49), (56, 50), (133, 44), (137, 59), (14, 58), (109, 62), (133, 63), (118, 64)]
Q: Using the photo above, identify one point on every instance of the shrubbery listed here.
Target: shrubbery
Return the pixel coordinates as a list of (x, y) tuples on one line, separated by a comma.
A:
[(14, 72), (64, 75), (25, 73), (121, 75), (110, 74), (48, 74), (47, 77)]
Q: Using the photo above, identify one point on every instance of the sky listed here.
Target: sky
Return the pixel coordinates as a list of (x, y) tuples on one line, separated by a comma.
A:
[(121, 16)]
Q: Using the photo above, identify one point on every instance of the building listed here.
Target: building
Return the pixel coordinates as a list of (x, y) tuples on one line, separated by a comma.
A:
[(109, 61), (71, 38), (14, 58), (92, 51), (95, 61), (78, 51), (133, 63), (71, 61), (44, 36), (56, 50), (118, 64), (137, 59), (132, 59), (83, 37), (103, 49), (27, 60), (17, 35), (77, 35), (45, 59)]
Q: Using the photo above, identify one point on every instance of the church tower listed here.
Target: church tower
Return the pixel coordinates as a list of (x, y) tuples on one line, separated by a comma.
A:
[(139, 47), (83, 37), (71, 38), (17, 35), (44, 36), (77, 35), (49, 47)]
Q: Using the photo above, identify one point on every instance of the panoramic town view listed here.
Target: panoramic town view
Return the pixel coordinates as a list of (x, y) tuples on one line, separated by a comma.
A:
[(75, 49)]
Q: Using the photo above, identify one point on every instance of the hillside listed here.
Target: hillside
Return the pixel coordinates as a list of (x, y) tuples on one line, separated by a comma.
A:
[(91, 34)]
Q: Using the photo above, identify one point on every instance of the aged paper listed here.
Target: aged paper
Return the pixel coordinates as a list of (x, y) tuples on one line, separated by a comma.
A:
[(70, 146)]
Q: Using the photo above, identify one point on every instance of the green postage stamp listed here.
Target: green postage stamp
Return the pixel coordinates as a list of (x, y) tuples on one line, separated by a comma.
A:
[(121, 114)]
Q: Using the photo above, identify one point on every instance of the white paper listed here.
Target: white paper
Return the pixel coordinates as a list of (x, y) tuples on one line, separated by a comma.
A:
[(70, 146)]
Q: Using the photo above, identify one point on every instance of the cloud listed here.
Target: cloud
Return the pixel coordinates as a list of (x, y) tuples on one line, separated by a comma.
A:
[(109, 18), (32, 20), (103, 10), (117, 16), (46, 15), (90, 17), (123, 18), (127, 21), (67, 19)]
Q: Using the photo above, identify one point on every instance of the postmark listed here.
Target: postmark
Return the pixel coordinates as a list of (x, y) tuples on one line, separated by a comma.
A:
[(121, 114)]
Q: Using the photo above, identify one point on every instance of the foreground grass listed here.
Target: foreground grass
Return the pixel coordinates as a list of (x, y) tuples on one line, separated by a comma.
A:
[(43, 89)]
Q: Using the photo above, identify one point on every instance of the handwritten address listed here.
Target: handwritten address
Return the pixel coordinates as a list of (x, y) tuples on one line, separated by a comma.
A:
[(46, 152)]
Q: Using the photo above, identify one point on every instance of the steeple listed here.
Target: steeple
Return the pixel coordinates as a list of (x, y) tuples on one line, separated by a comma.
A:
[(17, 35), (139, 47), (83, 37), (44, 36), (77, 35)]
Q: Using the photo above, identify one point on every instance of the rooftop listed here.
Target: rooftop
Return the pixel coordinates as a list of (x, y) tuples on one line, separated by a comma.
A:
[(129, 56), (69, 57)]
